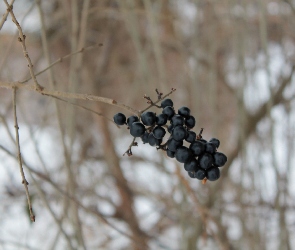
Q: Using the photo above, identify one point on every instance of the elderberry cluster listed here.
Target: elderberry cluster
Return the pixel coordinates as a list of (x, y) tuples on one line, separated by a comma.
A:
[(200, 157)]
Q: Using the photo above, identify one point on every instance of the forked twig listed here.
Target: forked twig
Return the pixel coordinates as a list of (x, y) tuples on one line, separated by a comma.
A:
[(22, 39), (24, 181)]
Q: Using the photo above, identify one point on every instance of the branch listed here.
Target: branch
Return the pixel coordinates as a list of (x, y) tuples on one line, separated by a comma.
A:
[(24, 181), (4, 17), (22, 39), (86, 97)]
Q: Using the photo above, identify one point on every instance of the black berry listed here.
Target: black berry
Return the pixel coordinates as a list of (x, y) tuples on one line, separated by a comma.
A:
[(215, 141), (191, 136), (191, 165), (190, 122), (197, 147), (132, 119), (120, 119), (172, 144), (159, 132), (184, 111), (213, 174), (219, 159), (166, 102), (183, 154), (206, 161), (177, 120), (145, 137), (154, 141), (170, 153), (169, 111), (179, 133), (161, 119), (137, 129), (148, 118)]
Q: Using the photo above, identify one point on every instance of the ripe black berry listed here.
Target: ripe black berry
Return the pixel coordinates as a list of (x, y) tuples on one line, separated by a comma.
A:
[(197, 147), (200, 174), (145, 137), (191, 136), (137, 129), (132, 119), (219, 159), (170, 153), (172, 144), (206, 161), (161, 119), (213, 174), (183, 154), (159, 132), (177, 120), (215, 141), (184, 111), (179, 133), (148, 118), (170, 128), (191, 165), (154, 141), (166, 102), (190, 122), (169, 111), (120, 119), (210, 148)]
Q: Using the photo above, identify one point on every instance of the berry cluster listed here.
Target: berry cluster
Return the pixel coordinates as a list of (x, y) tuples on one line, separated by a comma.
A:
[(200, 157)]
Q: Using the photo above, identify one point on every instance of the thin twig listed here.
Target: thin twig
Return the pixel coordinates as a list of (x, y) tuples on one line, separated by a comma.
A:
[(24, 181), (22, 39), (4, 17), (154, 103), (61, 59), (132, 144)]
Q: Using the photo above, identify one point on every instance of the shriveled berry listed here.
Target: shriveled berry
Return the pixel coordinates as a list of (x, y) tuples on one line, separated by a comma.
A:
[(161, 119), (137, 129), (206, 161), (169, 111), (191, 165), (166, 102), (120, 119), (191, 136), (159, 132), (190, 122), (148, 118), (219, 159), (184, 111), (154, 141), (183, 154), (213, 174), (197, 147), (179, 133), (132, 119)]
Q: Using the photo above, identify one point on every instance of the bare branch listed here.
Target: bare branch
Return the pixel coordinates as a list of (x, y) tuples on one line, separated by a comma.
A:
[(24, 181)]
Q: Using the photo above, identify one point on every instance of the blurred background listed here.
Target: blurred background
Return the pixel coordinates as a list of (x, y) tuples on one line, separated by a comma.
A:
[(232, 63)]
